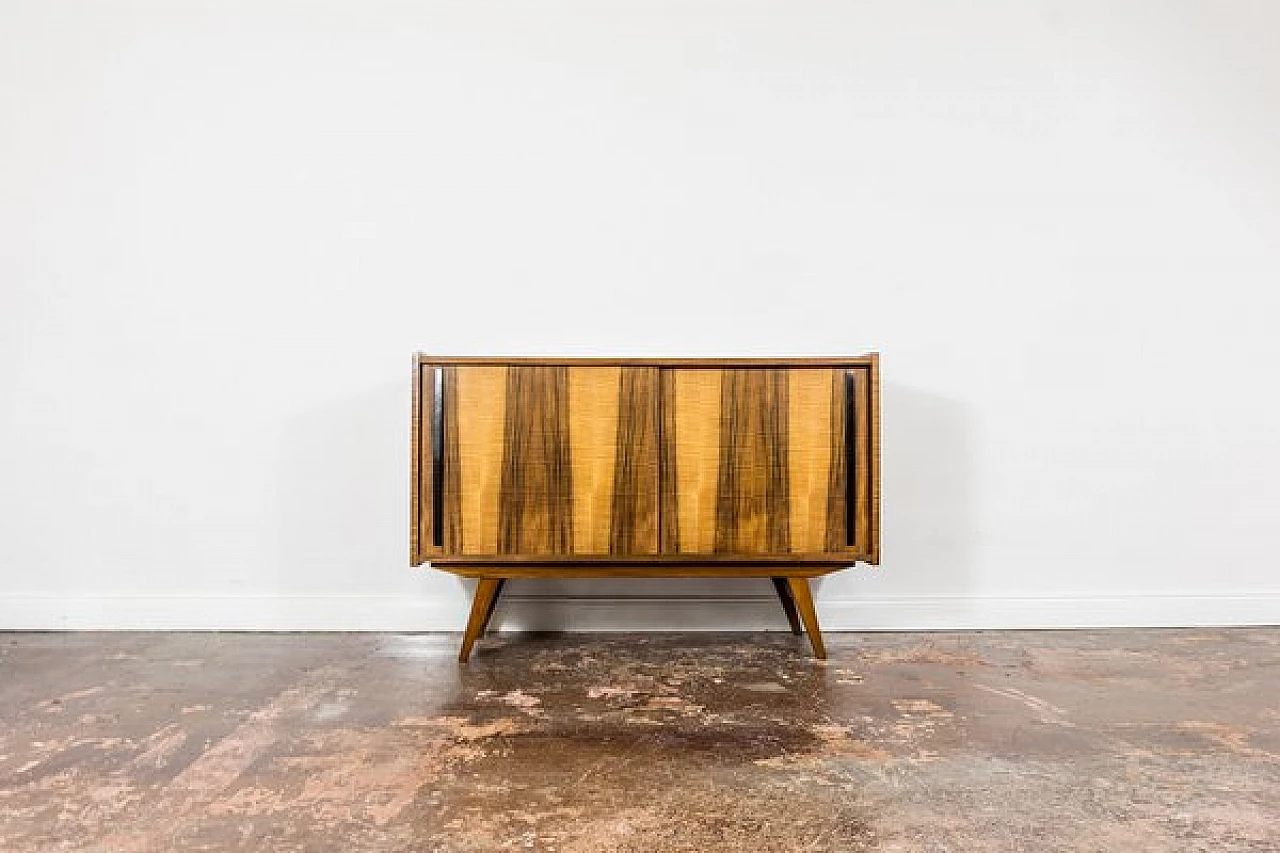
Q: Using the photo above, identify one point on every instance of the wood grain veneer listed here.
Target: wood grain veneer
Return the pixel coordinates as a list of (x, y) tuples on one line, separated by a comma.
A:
[(634, 514), (694, 441), (753, 514), (617, 467), (814, 460), (535, 500)]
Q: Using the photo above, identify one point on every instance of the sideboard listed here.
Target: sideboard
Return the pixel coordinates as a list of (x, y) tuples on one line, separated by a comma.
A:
[(642, 467)]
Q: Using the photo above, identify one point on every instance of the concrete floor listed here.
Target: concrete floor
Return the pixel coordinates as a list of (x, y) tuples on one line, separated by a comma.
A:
[(1034, 741)]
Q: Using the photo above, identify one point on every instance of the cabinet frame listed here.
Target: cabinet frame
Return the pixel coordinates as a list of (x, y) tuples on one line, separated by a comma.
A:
[(427, 544)]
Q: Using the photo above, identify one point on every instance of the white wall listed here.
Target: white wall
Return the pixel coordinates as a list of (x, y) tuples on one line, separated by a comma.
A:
[(225, 226)]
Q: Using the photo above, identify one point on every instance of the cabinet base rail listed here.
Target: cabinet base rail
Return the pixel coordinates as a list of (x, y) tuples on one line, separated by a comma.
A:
[(792, 590)]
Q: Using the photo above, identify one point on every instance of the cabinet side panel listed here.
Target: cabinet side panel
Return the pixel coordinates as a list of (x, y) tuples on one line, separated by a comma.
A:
[(810, 457), (873, 373), (633, 527), (695, 435), (415, 465), (593, 450), (476, 413)]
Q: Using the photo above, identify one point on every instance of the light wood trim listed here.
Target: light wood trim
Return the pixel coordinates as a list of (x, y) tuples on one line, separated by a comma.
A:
[(556, 361)]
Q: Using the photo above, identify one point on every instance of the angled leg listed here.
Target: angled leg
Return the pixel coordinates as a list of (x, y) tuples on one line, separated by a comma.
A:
[(492, 606), (804, 603), (788, 605), (481, 609)]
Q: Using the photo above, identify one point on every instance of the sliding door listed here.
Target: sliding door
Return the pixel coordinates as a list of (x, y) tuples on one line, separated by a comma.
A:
[(548, 460), (764, 460)]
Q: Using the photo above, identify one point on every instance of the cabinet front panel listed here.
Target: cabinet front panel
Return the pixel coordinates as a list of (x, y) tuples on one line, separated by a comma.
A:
[(547, 460), (756, 459), (752, 483), (814, 460)]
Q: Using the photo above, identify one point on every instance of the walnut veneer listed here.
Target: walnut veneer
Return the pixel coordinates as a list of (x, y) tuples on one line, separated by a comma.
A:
[(549, 467)]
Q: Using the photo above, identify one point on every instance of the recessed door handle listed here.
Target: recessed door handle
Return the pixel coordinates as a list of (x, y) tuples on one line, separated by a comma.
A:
[(437, 456), (851, 458)]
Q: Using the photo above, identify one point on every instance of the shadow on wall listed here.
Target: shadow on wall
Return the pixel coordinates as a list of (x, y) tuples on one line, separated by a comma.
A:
[(928, 494)]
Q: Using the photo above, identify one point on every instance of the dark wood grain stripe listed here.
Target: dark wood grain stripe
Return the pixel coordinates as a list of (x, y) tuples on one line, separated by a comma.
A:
[(668, 508), (860, 473), (451, 490), (535, 502), (633, 522), (752, 492), (837, 507)]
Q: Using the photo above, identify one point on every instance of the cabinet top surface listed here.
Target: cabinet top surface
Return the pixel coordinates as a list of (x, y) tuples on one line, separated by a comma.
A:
[(754, 361)]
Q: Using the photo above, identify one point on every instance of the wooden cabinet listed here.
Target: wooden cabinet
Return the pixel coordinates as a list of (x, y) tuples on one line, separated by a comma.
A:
[(645, 467)]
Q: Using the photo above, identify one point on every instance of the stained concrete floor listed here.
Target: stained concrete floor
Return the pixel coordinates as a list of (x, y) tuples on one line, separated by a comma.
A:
[(1037, 741)]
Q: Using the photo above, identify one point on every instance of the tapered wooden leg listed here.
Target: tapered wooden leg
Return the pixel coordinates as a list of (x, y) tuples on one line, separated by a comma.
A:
[(804, 603), (481, 609), (789, 606), (493, 605)]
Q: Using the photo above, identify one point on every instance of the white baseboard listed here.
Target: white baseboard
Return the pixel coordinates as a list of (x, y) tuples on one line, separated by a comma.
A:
[(586, 613)]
